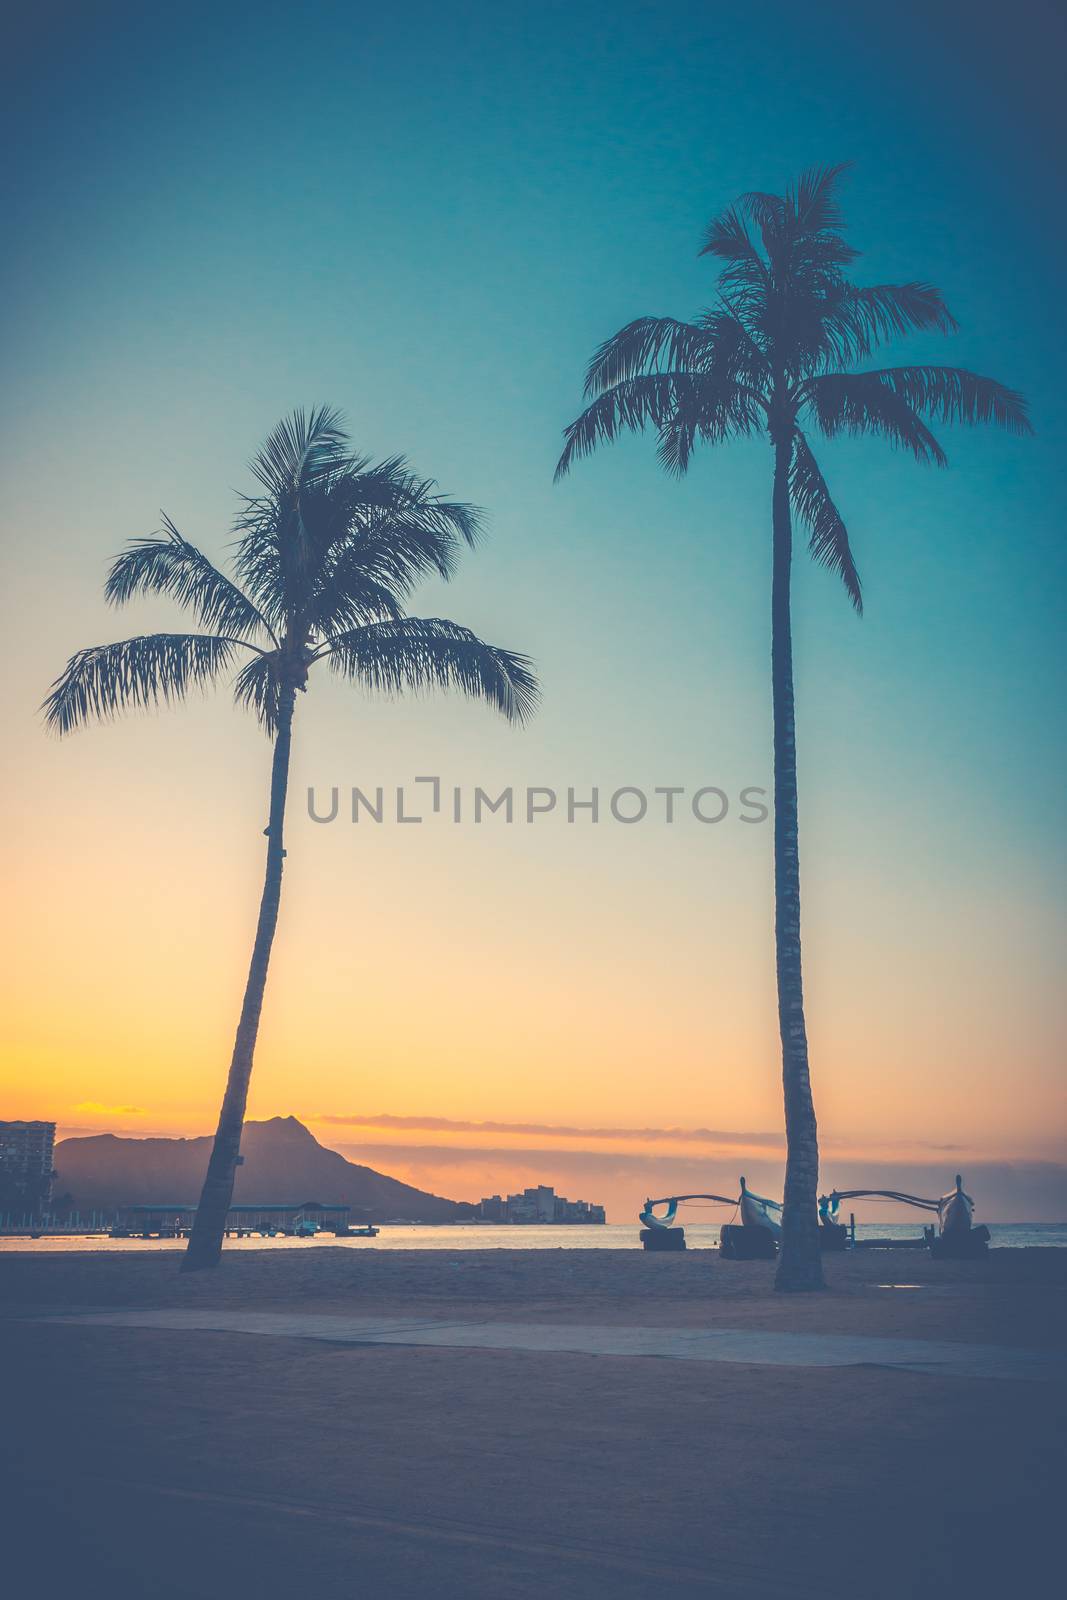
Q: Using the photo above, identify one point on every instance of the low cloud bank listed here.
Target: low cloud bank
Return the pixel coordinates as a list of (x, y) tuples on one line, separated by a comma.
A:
[(729, 1137), (554, 1130), (1004, 1191)]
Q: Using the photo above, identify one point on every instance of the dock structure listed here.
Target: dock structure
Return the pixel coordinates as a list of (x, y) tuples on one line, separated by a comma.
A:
[(42, 1224), (174, 1220)]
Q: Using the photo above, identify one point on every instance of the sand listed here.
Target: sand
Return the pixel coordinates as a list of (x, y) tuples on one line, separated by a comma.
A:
[(176, 1463)]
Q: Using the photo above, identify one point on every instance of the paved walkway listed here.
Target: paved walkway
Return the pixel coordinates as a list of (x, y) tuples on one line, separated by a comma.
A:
[(737, 1345)]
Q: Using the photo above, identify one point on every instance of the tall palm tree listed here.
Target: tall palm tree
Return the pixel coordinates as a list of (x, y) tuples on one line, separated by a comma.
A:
[(775, 355), (327, 552)]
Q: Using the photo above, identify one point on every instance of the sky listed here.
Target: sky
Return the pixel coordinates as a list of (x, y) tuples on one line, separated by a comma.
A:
[(429, 216)]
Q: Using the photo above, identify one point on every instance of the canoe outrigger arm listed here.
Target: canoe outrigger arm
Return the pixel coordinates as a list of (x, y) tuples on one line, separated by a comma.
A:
[(672, 1202), (755, 1211), (955, 1210), (829, 1204)]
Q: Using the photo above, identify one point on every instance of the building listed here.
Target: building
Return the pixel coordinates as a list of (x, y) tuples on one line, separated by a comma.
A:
[(539, 1204), (26, 1166)]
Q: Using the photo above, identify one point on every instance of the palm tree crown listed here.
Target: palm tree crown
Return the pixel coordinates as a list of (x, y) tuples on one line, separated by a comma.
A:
[(776, 354), (327, 553)]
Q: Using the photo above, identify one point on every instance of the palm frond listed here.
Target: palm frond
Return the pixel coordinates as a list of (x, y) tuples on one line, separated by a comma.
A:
[(172, 566), (421, 499), (832, 324), (257, 686), (378, 552), (367, 578), (735, 349), (818, 260), (140, 672), (728, 238), (681, 406), (711, 409), (390, 487), (276, 548), (630, 405), (349, 597), (814, 202), (951, 394), (378, 524), (770, 214), (860, 402), (418, 654), (301, 448), (646, 345), (257, 559), (744, 274), (828, 543), (398, 549), (859, 319)]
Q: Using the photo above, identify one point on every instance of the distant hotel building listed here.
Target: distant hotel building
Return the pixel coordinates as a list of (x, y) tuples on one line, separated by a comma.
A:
[(26, 1165), (542, 1204)]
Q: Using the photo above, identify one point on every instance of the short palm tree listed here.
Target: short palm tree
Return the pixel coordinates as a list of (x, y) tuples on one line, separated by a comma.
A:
[(776, 356), (326, 554)]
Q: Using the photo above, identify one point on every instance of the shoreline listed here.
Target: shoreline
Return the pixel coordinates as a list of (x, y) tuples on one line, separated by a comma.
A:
[(1012, 1297), (514, 1236)]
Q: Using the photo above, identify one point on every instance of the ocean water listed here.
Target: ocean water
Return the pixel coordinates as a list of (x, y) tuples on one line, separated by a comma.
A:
[(468, 1236)]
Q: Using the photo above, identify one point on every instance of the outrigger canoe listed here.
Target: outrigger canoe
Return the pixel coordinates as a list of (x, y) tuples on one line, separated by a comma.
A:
[(955, 1210), (755, 1211)]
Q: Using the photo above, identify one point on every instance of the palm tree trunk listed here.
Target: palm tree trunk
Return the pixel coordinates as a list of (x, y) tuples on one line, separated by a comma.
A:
[(800, 1259), (205, 1242)]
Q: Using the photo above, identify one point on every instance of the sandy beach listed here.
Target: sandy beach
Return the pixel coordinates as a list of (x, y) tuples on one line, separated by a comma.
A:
[(187, 1462)]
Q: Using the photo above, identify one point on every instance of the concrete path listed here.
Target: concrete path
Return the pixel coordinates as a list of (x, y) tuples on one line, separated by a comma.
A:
[(737, 1345)]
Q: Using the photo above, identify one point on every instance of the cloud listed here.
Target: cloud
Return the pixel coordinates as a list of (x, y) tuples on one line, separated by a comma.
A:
[(94, 1108), (554, 1130), (1005, 1191), (728, 1138), (451, 1155), (842, 1172), (687, 1169)]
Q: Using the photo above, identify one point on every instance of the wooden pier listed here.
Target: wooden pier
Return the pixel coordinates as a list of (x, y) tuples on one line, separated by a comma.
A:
[(174, 1220), (293, 1220), (74, 1225)]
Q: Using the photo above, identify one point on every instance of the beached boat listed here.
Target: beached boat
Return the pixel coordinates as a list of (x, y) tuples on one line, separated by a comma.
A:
[(759, 1222), (757, 1212), (753, 1209), (956, 1233), (755, 1236), (649, 1219), (955, 1212)]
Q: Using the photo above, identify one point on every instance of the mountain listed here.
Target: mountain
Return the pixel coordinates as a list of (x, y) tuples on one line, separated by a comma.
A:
[(282, 1162)]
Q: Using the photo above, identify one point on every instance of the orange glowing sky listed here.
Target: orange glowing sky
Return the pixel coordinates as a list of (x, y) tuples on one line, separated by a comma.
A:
[(543, 975)]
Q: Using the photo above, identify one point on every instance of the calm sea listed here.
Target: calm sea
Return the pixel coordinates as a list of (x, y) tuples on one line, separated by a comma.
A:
[(612, 1236)]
